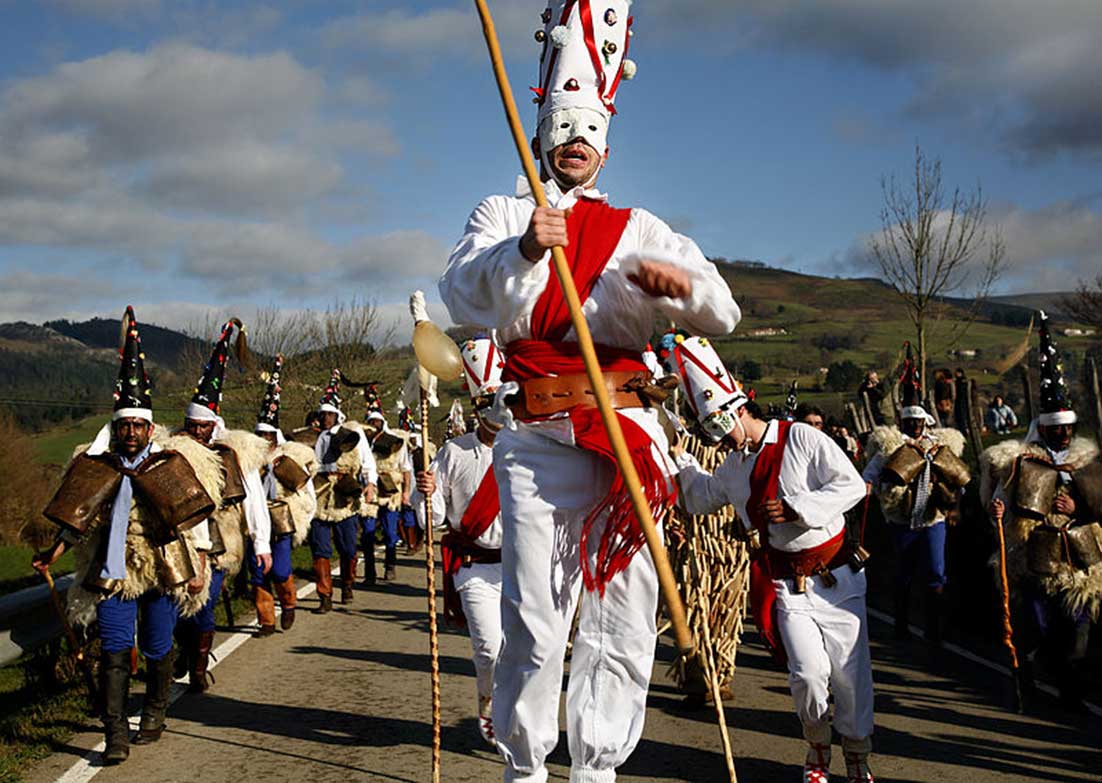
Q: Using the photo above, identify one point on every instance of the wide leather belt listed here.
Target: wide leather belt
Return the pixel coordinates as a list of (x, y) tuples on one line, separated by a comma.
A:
[(810, 562), (541, 397), (476, 554)]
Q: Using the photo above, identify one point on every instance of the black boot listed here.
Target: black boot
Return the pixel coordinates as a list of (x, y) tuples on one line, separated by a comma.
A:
[(390, 567), (902, 612), (158, 683), (185, 643), (114, 681), (935, 617), (369, 563)]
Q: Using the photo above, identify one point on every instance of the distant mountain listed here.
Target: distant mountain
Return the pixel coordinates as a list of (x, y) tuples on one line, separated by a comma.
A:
[(1052, 303), (165, 347)]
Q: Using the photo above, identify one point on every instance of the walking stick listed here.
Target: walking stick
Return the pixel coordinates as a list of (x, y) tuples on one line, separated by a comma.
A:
[(439, 356), (1008, 628), (666, 579), (78, 650)]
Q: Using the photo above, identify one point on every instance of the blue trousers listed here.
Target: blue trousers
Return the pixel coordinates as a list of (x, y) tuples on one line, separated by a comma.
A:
[(203, 620), (323, 534), (119, 619), (924, 546), (388, 522), (281, 562)]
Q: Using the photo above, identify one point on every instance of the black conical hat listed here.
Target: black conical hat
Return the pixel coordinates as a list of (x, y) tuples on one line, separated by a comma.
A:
[(332, 394), (269, 407), (1055, 399), (208, 391), (910, 380), (792, 400), (132, 389)]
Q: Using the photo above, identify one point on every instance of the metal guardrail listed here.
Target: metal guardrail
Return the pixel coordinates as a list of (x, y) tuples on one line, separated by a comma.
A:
[(27, 621)]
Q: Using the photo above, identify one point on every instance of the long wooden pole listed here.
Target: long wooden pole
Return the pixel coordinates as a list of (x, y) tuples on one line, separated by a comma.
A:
[(78, 651), (666, 579), (430, 570), (1008, 627)]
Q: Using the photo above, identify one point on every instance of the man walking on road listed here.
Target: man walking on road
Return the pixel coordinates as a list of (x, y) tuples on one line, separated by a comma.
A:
[(566, 516)]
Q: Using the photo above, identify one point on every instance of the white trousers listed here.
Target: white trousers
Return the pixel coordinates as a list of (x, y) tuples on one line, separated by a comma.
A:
[(825, 633), (479, 588), (547, 488)]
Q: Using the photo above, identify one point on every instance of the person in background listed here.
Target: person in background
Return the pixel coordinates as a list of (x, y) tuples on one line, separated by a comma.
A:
[(810, 414), (878, 396), (1000, 416)]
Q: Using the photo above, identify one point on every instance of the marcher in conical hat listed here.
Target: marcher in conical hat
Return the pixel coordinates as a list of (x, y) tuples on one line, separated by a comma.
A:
[(125, 568), (465, 502), (792, 402), (917, 474), (289, 490), (244, 507), (630, 269), (1047, 491), (346, 492), (791, 484)]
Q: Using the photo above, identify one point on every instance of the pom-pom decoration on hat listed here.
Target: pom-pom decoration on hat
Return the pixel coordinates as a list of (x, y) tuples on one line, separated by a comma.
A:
[(711, 391), (132, 387), (1056, 407), (269, 406), (584, 45), (483, 364), (208, 391)]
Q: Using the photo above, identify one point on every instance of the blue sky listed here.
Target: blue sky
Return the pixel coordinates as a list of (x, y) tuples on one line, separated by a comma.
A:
[(201, 158)]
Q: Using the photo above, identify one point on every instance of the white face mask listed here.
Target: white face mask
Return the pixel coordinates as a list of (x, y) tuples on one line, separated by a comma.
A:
[(718, 423), (565, 124)]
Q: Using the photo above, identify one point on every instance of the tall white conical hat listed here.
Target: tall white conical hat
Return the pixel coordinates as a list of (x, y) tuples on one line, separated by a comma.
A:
[(581, 66), (483, 364), (712, 392)]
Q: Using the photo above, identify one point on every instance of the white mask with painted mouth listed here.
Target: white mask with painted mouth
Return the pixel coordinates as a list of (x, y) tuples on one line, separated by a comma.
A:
[(564, 125)]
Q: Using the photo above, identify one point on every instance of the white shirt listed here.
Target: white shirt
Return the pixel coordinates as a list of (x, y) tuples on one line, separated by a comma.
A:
[(817, 481), (489, 283), (459, 467), (257, 518), (368, 471)]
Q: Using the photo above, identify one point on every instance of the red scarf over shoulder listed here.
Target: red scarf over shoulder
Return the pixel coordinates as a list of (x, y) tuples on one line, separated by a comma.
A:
[(594, 229), (481, 512), (764, 483)]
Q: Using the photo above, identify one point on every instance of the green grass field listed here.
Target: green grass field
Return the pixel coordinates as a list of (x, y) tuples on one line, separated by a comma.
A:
[(16, 572)]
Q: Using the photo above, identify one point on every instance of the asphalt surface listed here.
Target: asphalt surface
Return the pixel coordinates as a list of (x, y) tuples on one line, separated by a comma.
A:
[(345, 697)]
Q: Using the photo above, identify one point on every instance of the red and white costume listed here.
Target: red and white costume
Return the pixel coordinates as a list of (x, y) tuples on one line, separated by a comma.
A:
[(549, 486), (465, 503)]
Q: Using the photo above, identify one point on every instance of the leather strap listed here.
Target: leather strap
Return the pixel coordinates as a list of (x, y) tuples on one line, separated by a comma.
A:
[(540, 397)]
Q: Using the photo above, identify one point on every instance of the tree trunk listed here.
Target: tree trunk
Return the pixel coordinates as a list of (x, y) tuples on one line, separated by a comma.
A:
[(922, 358), (1027, 395)]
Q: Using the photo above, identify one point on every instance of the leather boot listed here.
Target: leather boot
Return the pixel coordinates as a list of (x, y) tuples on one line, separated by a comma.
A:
[(902, 612), (265, 611), (935, 616), (390, 567), (114, 683), (288, 599), (199, 675), (158, 682), (416, 538), (369, 565), (185, 649), (323, 571), (856, 752), (348, 579)]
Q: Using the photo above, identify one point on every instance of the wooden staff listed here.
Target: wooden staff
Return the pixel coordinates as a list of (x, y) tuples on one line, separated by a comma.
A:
[(657, 549), (1008, 627), (78, 650), (430, 570), (1096, 397)]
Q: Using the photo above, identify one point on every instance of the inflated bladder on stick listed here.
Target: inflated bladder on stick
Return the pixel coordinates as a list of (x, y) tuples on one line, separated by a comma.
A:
[(436, 352)]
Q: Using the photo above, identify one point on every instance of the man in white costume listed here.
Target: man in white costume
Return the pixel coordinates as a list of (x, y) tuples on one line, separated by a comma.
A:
[(791, 485), (566, 516), (465, 501)]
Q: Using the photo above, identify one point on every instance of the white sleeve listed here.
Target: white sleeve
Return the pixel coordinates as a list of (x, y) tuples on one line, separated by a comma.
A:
[(439, 466), (840, 485), (313, 495), (257, 518), (369, 470), (710, 310), (701, 492), (488, 281)]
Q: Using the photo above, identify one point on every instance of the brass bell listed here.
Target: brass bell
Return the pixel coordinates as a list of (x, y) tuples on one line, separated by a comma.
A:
[(540, 36), (609, 48)]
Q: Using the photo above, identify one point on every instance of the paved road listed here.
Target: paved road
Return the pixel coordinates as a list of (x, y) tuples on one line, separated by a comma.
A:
[(345, 697)]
